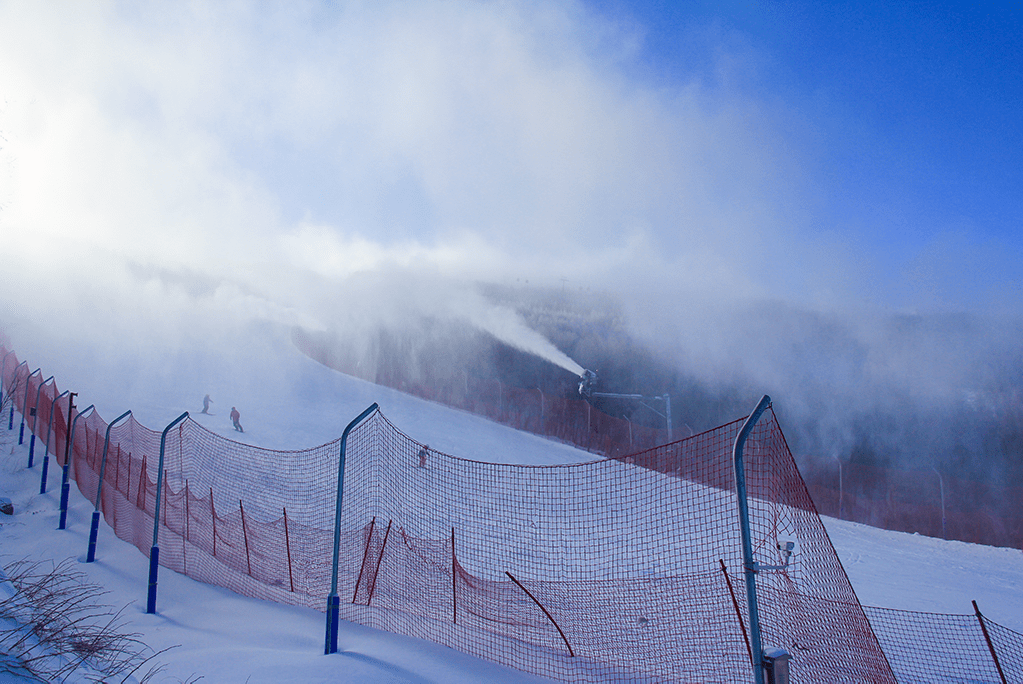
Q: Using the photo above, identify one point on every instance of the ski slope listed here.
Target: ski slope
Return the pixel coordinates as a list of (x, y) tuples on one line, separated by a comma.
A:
[(289, 402)]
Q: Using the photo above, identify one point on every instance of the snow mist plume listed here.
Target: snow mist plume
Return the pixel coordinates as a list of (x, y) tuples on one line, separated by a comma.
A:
[(508, 327), (177, 171)]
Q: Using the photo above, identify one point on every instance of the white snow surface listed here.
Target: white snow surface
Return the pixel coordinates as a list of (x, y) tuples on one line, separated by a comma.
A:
[(290, 402)]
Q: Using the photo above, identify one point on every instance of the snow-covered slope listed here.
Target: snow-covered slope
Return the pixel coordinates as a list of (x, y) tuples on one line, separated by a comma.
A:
[(288, 401)]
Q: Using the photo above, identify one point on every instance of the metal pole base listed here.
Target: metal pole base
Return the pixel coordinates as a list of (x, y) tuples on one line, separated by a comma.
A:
[(93, 533), (154, 569), (333, 610), (65, 490), (31, 449), (46, 467)]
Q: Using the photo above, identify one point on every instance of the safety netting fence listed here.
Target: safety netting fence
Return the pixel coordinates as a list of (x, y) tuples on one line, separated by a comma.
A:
[(923, 502), (959, 649), (625, 569)]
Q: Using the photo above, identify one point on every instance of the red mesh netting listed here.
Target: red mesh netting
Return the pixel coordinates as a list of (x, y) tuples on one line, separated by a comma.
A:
[(614, 570), (928, 647)]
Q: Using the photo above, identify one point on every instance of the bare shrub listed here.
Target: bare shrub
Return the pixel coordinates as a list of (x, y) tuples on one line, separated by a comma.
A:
[(53, 626)]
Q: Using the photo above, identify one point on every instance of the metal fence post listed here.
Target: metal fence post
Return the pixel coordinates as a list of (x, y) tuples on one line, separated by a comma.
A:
[(46, 447), (333, 600), (94, 529), (154, 552), (35, 421), (749, 565), (65, 483), (24, 407)]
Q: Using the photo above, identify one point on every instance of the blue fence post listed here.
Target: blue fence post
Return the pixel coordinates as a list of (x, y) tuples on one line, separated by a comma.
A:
[(333, 600), (65, 483), (154, 551), (25, 406), (35, 421), (94, 528), (46, 447), (749, 565)]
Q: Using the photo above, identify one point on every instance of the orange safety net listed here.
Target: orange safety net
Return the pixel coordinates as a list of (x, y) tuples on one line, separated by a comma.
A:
[(895, 499), (959, 649), (623, 569)]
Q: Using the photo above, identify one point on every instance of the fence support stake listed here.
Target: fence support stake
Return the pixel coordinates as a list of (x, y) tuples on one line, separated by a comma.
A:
[(454, 578), (287, 545), (185, 540), (365, 555), (380, 559), (140, 494), (990, 645), (188, 514), (245, 538), (738, 613), (333, 600), (213, 517), (571, 653)]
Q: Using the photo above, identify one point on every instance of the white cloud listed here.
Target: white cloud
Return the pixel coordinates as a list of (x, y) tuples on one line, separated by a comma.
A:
[(208, 126), (331, 163)]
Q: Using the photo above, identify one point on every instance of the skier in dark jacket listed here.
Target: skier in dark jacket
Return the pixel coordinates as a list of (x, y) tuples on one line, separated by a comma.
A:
[(206, 401), (235, 417)]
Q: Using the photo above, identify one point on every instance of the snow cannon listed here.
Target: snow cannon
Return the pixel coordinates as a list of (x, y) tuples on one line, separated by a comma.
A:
[(586, 383)]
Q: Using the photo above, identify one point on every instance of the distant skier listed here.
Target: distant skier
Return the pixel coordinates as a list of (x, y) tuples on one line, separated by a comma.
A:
[(206, 401), (422, 455), (235, 417)]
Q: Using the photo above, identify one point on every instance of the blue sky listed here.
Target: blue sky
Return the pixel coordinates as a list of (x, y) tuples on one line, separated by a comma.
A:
[(913, 109)]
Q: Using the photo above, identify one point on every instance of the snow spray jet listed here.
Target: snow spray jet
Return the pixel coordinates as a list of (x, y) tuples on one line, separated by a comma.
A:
[(509, 328)]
